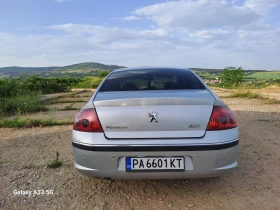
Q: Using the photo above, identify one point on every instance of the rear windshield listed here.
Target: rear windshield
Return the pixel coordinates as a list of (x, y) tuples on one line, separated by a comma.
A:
[(151, 79)]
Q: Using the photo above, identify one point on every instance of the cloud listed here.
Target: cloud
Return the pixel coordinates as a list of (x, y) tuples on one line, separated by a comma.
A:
[(191, 33), (200, 14), (261, 7), (217, 34), (61, 1), (131, 18), (107, 35)]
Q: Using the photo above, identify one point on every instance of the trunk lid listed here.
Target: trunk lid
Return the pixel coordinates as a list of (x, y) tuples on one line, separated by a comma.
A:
[(154, 114)]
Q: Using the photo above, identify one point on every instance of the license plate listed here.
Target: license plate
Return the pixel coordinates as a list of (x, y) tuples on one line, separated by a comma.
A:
[(155, 164)]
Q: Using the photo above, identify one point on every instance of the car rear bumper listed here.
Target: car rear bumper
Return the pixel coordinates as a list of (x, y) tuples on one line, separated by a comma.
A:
[(200, 160)]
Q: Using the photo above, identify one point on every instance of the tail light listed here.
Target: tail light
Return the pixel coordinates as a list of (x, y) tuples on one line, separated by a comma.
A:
[(87, 120), (222, 118)]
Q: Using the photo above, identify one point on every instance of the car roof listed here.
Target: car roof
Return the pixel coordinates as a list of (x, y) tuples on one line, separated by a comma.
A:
[(149, 68)]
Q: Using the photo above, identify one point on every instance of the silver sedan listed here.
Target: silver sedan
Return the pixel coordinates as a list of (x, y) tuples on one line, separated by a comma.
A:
[(154, 123)]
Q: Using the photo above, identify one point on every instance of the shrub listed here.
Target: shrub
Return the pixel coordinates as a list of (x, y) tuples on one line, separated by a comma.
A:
[(23, 94), (89, 82), (103, 73), (232, 76), (24, 102), (47, 85)]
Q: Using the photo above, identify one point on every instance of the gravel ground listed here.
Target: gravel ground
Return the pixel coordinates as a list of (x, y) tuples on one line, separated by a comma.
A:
[(84, 99), (60, 116), (79, 92), (253, 185), (77, 105)]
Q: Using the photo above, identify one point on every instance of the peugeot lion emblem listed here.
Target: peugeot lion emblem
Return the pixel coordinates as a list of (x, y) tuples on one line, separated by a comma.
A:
[(153, 116)]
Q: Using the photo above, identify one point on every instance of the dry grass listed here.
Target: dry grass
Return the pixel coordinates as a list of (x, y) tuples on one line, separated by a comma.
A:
[(69, 107), (245, 94), (250, 95), (29, 123)]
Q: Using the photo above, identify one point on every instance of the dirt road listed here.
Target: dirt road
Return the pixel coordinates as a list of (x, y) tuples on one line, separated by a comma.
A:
[(255, 184)]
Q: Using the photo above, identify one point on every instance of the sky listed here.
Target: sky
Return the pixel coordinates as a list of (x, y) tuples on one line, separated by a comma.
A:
[(183, 33)]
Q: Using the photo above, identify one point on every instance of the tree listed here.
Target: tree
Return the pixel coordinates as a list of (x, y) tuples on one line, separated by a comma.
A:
[(232, 76), (103, 73)]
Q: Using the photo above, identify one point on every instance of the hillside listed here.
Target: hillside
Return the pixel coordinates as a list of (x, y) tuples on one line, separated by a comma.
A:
[(88, 66), (16, 70), (92, 68), (76, 68)]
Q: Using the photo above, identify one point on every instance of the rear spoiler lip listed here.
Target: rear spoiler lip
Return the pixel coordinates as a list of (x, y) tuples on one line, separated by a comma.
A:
[(150, 148), (200, 137)]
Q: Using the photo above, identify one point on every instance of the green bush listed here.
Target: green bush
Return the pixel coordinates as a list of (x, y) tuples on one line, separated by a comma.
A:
[(89, 82), (23, 94), (103, 73), (10, 88), (25, 102), (48, 85), (232, 77)]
